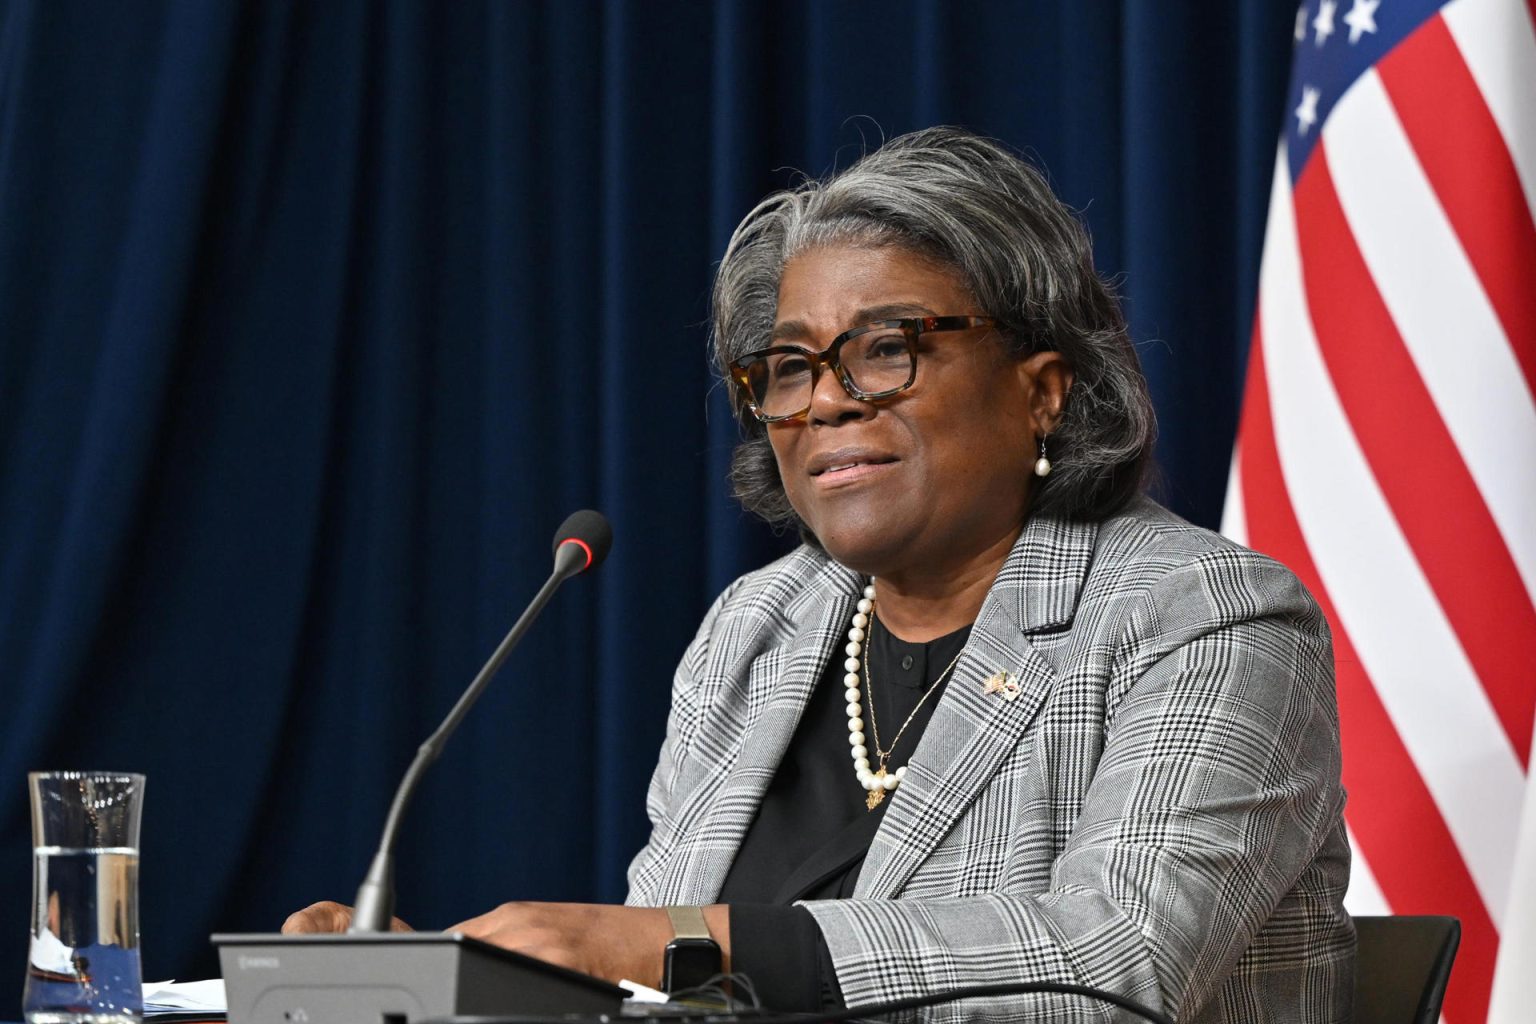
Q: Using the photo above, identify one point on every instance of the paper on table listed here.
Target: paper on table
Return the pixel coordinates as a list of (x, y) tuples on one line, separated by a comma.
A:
[(639, 993), (186, 995)]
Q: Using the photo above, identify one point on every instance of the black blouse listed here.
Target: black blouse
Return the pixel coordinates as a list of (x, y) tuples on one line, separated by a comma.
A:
[(814, 827)]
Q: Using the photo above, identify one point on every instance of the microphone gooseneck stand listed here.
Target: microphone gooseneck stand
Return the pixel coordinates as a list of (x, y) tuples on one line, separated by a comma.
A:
[(578, 547), (371, 973)]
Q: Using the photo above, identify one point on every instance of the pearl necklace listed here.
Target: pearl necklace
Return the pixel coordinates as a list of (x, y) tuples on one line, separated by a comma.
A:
[(879, 781)]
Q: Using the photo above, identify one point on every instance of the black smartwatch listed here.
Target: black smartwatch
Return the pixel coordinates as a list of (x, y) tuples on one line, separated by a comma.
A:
[(692, 956)]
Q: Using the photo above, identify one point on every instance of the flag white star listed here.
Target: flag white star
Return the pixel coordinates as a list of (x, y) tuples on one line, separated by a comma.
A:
[(1361, 19), (1301, 23), (1323, 23), (1306, 111)]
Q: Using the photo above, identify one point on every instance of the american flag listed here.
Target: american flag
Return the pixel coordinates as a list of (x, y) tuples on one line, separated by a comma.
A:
[(1387, 449)]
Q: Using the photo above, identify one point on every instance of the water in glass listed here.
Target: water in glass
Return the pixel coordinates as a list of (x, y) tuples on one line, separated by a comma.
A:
[(83, 964)]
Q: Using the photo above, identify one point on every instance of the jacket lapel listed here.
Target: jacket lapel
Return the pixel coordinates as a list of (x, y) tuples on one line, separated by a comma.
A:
[(779, 684), (973, 731)]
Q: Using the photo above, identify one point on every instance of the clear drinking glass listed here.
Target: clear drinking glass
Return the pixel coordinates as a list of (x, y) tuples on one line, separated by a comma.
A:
[(83, 962)]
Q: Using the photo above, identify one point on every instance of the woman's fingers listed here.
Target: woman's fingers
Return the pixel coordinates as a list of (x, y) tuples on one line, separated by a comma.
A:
[(325, 916), (329, 917)]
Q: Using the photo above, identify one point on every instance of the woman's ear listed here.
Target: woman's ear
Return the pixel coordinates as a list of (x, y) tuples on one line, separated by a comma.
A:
[(1046, 377)]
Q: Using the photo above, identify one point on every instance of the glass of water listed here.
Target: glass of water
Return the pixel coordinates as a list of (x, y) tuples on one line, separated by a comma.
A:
[(83, 961)]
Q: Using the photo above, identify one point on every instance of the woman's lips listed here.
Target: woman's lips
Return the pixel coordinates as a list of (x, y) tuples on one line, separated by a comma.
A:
[(847, 473)]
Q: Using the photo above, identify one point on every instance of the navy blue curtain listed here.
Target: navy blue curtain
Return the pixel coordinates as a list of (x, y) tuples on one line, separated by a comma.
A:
[(315, 320)]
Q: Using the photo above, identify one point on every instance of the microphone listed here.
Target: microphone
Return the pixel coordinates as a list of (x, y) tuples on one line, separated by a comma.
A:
[(581, 543)]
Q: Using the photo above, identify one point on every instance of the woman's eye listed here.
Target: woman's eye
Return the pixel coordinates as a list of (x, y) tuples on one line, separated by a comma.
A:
[(790, 366), (890, 347)]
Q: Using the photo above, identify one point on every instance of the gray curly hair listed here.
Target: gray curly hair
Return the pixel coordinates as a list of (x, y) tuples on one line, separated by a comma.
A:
[(965, 203)]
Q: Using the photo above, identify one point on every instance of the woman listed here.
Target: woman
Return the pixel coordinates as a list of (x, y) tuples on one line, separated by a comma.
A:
[(998, 718)]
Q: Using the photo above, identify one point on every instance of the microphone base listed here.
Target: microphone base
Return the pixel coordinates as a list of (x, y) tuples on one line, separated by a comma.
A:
[(396, 978)]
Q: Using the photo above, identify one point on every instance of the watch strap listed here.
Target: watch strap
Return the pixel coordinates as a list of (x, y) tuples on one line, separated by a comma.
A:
[(688, 923)]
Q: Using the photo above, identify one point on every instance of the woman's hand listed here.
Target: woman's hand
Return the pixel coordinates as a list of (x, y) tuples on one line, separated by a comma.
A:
[(606, 941), (327, 916)]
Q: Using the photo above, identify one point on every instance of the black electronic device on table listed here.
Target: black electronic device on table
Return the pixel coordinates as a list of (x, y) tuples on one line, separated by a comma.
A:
[(403, 976)]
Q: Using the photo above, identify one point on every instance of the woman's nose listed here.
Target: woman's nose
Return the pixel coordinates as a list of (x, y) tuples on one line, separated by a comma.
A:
[(831, 402)]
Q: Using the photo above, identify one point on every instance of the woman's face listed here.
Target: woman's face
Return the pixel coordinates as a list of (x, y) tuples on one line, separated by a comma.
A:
[(933, 478)]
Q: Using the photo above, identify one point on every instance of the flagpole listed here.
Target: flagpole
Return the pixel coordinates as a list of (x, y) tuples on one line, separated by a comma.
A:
[(1514, 976)]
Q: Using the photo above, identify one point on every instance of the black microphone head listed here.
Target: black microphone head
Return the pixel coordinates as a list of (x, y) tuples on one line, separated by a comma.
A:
[(588, 530)]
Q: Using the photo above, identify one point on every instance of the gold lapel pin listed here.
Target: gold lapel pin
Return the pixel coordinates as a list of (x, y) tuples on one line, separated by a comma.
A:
[(1001, 682)]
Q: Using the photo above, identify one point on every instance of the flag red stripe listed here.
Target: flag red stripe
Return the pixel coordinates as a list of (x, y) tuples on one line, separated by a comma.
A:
[(1415, 461), (1392, 813), (1469, 166)]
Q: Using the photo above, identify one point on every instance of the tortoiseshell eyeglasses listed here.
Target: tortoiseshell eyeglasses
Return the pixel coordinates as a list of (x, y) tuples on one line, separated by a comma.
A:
[(872, 362)]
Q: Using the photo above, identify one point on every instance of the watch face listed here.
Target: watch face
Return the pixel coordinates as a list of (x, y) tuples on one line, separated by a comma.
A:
[(690, 963)]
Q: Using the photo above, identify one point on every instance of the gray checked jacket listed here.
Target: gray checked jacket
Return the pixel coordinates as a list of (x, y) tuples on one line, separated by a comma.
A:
[(1156, 810)]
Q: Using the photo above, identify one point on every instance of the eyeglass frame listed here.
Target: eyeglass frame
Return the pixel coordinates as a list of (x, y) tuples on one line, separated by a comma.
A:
[(911, 328)]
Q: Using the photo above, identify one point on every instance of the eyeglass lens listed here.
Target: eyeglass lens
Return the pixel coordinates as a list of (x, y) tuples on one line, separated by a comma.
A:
[(875, 362)]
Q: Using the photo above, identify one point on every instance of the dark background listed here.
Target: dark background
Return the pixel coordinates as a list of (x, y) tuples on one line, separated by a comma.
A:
[(317, 318)]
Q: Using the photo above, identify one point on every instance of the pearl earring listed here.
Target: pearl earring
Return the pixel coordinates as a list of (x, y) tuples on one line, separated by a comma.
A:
[(1042, 464)]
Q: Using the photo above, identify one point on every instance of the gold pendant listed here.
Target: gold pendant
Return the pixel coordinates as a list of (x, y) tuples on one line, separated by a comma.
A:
[(878, 793)]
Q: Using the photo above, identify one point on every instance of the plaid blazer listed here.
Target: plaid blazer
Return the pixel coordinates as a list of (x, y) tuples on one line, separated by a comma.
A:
[(1157, 811)]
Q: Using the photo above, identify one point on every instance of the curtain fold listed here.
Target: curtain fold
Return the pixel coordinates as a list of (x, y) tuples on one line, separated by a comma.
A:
[(315, 321)]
